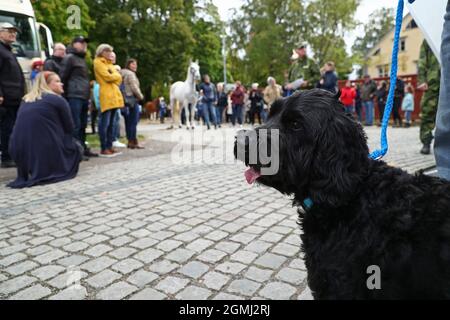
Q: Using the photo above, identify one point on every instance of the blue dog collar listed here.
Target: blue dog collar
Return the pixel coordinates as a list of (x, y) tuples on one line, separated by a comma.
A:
[(308, 204)]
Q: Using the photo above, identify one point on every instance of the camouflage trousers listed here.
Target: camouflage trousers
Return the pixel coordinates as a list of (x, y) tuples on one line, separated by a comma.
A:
[(429, 106)]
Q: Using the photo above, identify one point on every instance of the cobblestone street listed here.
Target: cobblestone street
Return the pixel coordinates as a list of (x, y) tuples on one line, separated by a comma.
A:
[(146, 228)]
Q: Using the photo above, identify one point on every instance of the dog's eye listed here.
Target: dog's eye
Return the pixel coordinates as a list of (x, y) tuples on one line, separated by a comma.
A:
[(294, 124)]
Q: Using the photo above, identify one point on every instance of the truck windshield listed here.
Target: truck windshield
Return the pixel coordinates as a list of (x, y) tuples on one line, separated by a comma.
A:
[(27, 40)]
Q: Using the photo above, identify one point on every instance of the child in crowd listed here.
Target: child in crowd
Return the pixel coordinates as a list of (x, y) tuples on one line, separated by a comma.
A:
[(408, 105)]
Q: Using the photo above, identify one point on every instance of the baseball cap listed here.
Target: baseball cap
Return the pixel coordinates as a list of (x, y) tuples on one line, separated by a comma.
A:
[(8, 26), (80, 39)]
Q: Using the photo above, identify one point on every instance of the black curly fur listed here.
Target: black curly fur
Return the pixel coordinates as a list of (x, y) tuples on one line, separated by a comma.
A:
[(365, 212)]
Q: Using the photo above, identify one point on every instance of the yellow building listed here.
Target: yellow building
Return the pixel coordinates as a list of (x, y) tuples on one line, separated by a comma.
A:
[(379, 59)]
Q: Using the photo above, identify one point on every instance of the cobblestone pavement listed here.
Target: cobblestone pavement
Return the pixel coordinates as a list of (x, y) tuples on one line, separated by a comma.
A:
[(150, 229)]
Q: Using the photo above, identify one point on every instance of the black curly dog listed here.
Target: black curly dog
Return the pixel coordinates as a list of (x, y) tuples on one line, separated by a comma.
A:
[(364, 213)]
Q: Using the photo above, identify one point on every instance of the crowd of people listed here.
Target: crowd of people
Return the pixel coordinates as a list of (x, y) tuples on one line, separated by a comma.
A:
[(360, 99), (43, 133), (236, 106), (247, 104), (62, 85)]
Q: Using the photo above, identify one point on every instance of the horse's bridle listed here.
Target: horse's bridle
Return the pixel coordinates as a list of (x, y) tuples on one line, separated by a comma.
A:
[(193, 72)]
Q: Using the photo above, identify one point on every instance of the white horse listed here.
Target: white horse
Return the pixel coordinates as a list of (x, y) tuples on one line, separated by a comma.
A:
[(184, 93)]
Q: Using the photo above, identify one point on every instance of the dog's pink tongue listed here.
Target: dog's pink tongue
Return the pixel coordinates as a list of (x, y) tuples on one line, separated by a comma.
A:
[(252, 175)]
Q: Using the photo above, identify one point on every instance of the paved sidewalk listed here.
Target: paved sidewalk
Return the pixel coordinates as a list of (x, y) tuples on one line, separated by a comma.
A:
[(149, 229)]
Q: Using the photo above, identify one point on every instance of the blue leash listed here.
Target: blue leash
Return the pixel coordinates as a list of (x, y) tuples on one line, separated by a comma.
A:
[(379, 154)]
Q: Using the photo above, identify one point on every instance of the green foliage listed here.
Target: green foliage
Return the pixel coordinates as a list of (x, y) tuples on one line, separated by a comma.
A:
[(55, 14), (161, 34), (379, 24), (262, 34), (267, 31), (327, 22)]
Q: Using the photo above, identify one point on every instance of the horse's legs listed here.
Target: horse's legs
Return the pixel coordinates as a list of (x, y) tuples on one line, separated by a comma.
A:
[(187, 113), (179, 111), (173, 105), (194, 106)]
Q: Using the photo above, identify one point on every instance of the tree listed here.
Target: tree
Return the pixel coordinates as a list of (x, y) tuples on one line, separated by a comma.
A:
[(327, 22), (162, 35), (58, 15), (379, 24), (207, 29), (267, 31), (261, 33)]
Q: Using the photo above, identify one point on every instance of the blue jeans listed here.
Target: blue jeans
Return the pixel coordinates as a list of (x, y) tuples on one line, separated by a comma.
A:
[(209, 112), (79, 109), (349, 109), (219, 113), (106, 129), (116, 129), (358, 110), (442, 136), (369, 110), (264, 115), (408, 116), (237, 114), (162, 113), (199, 114), (131, 122)]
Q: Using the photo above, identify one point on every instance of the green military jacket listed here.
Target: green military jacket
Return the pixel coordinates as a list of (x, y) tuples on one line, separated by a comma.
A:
[(429, 68), (305, 69)]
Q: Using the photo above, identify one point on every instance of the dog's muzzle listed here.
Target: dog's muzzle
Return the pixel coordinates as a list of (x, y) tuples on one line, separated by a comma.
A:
[(245, 139)]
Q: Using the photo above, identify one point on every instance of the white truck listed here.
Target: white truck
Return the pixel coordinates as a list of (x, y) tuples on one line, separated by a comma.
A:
[(34, 40)]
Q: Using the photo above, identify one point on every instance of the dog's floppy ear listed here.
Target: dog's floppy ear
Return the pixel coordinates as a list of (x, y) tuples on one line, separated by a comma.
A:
[(341, 158), (337, 96)]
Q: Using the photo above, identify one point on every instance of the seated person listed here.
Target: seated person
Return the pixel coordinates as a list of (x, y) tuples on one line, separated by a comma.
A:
[(41, 143)]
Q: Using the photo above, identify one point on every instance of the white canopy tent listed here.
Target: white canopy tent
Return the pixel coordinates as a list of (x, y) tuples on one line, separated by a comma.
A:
[(429, 16)]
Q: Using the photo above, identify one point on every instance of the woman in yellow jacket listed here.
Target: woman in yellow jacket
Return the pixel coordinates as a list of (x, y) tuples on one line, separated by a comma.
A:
[(111, 98)]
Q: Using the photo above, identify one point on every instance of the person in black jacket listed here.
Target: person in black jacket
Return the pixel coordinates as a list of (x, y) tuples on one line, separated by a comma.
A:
[(222, 103), (399, 93), (256, 103), (12, 89), (55, 61), (75, 77), (381, 96), (329, 79)]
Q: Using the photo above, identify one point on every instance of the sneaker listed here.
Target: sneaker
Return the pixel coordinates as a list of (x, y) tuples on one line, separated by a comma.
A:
[(107, 154), (8, 164), (118, 144), (425, 149), (115, 152)]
